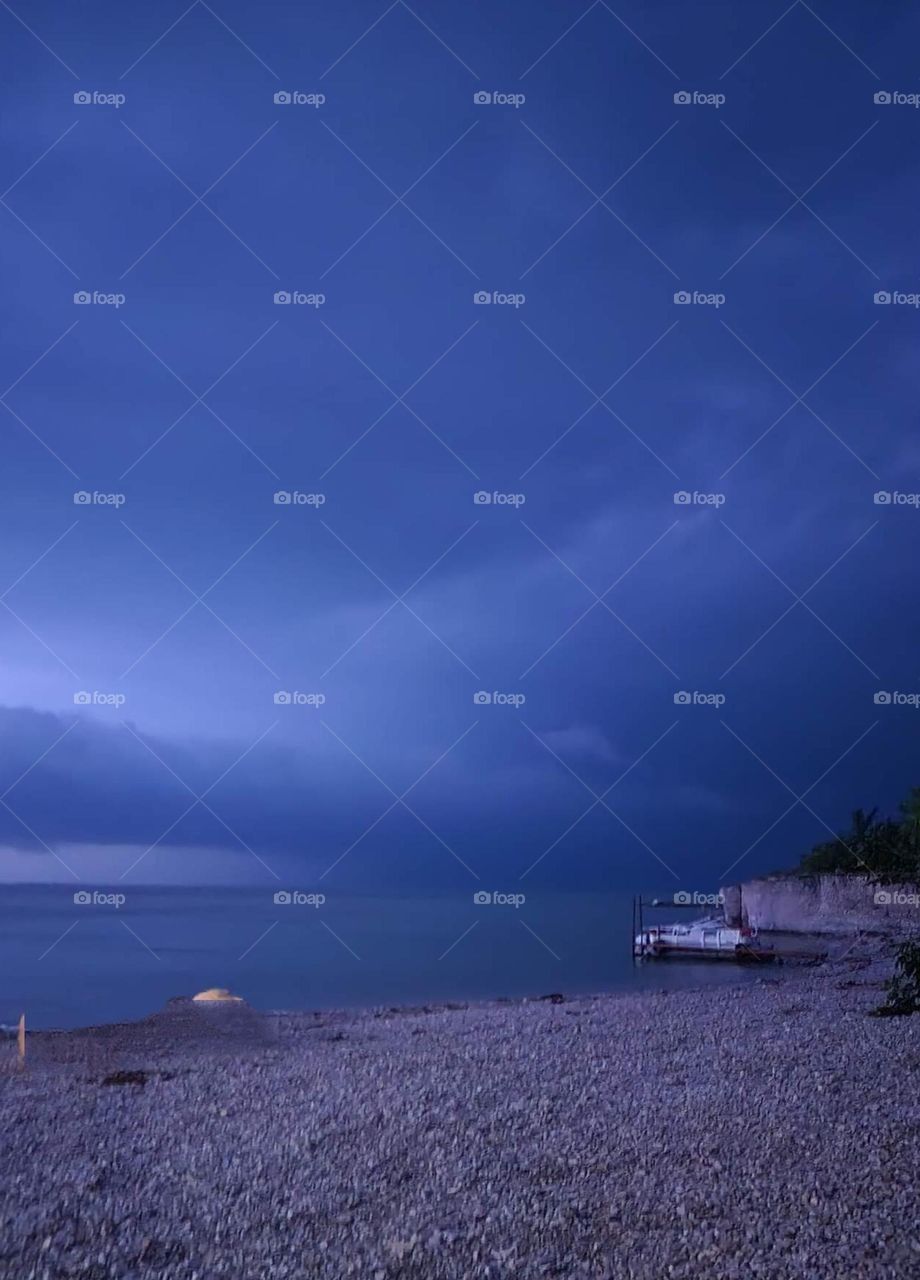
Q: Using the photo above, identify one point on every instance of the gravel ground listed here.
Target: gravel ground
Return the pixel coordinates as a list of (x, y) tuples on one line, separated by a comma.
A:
[(769, 1130)]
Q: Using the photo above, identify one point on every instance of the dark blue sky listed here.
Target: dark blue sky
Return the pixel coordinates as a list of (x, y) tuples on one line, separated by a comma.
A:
[(596, 396)]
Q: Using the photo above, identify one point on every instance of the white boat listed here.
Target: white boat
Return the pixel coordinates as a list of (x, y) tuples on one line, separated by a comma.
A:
[(700, 938)]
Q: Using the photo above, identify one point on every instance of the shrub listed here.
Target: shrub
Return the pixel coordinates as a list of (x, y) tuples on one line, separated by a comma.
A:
[(904, 987)]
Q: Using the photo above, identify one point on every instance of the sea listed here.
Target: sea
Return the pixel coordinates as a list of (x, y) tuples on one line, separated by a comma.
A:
[(83, 956)]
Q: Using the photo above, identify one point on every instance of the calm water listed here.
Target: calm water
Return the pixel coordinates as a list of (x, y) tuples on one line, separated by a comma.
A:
[(72, 964)]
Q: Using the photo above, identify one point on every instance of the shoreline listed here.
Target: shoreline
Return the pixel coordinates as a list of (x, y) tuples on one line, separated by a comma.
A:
[(761, 1128)]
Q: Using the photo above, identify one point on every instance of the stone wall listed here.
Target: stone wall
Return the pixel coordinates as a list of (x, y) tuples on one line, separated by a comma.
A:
[(821, 904)]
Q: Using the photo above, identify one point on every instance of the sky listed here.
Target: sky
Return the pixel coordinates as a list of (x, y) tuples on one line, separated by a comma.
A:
[(441, 443)]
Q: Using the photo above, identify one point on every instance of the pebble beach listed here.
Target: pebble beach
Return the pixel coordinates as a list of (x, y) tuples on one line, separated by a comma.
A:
[(766, 1130)]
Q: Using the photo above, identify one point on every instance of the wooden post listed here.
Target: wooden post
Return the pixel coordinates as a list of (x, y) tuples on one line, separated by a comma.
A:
[(21, 1038)]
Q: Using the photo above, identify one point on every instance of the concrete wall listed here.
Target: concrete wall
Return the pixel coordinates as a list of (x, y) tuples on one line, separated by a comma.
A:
[(821, 904)]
